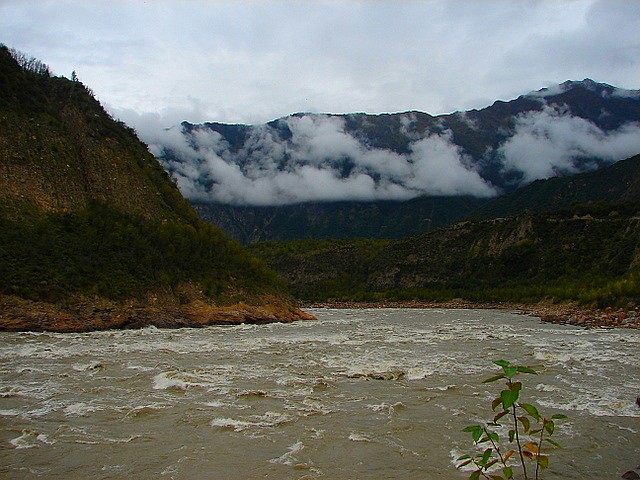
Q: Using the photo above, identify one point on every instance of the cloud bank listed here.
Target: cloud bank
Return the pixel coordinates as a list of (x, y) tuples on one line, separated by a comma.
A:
[(314, 158), (318, 161), (553, 142)]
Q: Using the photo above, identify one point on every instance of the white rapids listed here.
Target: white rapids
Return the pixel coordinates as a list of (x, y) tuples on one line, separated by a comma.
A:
[(357, 394)]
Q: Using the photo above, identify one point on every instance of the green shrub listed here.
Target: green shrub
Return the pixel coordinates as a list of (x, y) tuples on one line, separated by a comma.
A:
[(528, 436)]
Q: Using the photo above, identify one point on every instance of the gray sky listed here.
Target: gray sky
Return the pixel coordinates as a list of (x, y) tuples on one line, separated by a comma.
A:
[(253, 61)]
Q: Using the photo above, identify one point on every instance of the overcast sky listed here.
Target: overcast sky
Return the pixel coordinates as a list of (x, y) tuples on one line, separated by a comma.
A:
[(253, 61)]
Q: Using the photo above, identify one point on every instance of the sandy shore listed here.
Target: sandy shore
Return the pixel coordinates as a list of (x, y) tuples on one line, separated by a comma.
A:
[(569, 314)]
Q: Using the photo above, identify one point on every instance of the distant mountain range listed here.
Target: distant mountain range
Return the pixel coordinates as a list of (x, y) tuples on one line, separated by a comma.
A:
[(392, 175), (94, 234)]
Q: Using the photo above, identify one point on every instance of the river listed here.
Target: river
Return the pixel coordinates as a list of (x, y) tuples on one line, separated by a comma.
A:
[(357, 394)]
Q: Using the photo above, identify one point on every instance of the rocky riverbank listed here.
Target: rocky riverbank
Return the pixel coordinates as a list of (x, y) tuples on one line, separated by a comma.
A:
[(565, 314), (82, 315)]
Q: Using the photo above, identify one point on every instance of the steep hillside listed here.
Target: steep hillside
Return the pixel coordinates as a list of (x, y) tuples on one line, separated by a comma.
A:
[(587, 254), (337, 220), (94, 234), (618, 183), (295, 164), (60, 150)]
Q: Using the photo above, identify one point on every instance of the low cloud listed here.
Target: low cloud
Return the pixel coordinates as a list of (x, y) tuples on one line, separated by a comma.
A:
[(311, 158), (315, 161), (553, 142)]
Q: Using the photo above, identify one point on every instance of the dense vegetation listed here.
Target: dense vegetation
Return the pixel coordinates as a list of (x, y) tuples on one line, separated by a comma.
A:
[(386, 219), (86, 210), (107, 252), (590, 254), (617, 183)]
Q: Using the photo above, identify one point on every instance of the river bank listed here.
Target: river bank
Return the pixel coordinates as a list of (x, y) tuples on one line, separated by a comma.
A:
[(86, 315), (565, 314)]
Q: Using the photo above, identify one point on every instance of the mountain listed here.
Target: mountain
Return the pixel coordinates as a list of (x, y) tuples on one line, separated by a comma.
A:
[(310, 175), (588, 254), (617, 184), (573, 238), (383, 219), (93, 232)]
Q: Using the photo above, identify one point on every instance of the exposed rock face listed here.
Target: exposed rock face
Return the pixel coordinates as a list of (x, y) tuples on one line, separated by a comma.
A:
[(81, 315), (607, 318)]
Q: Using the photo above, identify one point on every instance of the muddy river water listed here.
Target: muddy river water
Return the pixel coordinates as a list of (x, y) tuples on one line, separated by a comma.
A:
[(357, 394)]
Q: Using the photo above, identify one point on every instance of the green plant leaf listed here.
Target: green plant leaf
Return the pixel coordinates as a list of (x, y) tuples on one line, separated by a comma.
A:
[(527, 370), (501, 363), (463, 457), (510, 371), (531, 410), (475, 475), (464, 464), (475, 430), (494, 378), (549, 426), (512, 435), (494, 436), (559, 416), (485, 457), (508, 472), (496, 477), (508, 397)]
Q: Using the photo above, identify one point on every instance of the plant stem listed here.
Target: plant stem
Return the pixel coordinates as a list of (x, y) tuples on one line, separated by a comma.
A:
[(480, 468), (497, 449), (539, 449), (515, 425)]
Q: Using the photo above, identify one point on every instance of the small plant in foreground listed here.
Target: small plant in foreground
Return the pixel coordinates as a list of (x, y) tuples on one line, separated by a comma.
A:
[(528, 434)]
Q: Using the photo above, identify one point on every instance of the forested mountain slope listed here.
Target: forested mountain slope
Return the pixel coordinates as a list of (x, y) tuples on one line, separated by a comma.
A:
[(589, 254), (616, 184), (94, 234)]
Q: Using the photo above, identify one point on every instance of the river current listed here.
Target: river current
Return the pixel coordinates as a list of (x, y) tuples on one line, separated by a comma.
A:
[(357, 394)]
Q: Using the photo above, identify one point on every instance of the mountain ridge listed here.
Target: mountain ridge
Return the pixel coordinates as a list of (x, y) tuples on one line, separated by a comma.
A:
[(304, 161), (615, 184)]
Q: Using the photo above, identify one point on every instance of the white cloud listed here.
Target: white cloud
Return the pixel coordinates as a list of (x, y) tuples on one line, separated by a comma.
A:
[(440, 170), (552, 142), (310, 166)]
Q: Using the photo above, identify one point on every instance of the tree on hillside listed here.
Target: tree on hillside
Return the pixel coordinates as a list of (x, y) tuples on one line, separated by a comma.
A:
[(30, 64)]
